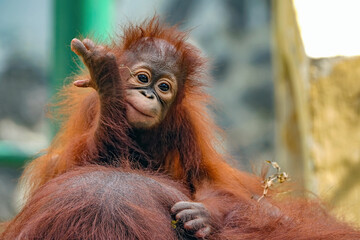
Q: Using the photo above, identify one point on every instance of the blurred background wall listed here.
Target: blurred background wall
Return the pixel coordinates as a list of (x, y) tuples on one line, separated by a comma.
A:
[(317, 98), (35, 58)]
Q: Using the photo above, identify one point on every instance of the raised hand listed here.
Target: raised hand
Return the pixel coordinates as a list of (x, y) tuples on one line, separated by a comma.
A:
[(102, 66), (194, 216)]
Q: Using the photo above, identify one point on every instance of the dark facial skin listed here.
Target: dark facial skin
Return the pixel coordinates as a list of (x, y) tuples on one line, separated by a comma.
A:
[(154, 77), (153, 85), (151, 88)]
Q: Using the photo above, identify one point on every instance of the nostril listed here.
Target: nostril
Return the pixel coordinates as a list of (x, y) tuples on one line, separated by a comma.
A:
[(147, 94), (143, 93)]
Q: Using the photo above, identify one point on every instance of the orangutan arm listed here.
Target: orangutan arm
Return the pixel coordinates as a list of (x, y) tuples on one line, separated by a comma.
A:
[(106, 80)]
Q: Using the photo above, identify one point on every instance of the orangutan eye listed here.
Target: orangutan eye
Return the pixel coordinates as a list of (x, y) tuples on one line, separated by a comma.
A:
[(143, 78), (164, 87)]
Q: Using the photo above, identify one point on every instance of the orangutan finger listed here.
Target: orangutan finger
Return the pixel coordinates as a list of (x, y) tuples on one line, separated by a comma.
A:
[(79, 48), (90, 45), (182, 205), (194, 224), (203, 232), (187, 215), (82, 83)]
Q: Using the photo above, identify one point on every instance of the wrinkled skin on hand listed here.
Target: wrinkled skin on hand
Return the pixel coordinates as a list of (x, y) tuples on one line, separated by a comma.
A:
[(194, 216), (101, 63)]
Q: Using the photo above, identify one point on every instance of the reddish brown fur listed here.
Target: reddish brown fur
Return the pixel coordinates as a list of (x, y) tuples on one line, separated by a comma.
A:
[(99, 203), (107, 203), (184, 146)]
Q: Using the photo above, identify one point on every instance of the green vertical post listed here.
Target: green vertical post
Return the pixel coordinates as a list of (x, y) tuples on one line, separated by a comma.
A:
[(75, 18), (99, 15), (68, 23), (72, 18)]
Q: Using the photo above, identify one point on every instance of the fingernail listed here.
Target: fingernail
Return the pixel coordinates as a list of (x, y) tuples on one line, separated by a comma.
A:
[(81, 83)]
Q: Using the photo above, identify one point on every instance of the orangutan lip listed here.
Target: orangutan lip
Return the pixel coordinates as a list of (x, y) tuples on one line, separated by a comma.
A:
[(138, 110)]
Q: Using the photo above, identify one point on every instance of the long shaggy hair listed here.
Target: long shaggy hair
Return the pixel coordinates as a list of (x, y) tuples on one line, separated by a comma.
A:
[(183, 146), (99, 203)]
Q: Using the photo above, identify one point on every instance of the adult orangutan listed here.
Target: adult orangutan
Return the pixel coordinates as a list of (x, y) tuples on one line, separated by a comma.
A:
[(100, 203), (141, 104), (97, 202)]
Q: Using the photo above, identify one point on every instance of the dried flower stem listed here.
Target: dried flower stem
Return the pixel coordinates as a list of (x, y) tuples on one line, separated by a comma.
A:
[(279, 177)]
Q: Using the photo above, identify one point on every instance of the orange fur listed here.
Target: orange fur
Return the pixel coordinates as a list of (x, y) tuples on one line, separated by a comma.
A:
[(184, 146), (189, 121), (99, 203)]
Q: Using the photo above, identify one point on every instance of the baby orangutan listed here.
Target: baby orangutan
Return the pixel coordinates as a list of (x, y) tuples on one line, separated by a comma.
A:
[(146, 77), (141, 104)]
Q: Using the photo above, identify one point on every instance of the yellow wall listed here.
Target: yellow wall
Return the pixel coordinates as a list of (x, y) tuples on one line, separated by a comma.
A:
[(318, 117)]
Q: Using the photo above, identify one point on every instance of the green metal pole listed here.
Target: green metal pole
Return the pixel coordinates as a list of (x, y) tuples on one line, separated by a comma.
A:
[(72, 18), (68, 23), (76, 18), (12, 156), (99, 15)]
